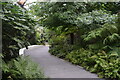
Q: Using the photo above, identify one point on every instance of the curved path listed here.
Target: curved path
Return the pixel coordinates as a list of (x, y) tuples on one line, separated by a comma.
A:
[(54, 67)]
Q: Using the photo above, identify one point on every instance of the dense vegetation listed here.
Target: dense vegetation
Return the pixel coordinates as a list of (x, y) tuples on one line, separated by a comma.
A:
[(21, 68), (86, 34), (18, 31)]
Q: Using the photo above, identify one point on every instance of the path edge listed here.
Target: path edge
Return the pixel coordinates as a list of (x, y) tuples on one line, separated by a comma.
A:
[(21, 51)]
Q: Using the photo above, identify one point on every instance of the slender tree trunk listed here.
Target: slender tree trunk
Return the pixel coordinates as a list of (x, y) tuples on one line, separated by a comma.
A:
[(119, 21), (71, 38)]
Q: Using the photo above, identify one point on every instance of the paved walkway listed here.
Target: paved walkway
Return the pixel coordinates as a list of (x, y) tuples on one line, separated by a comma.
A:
[(54, 67)]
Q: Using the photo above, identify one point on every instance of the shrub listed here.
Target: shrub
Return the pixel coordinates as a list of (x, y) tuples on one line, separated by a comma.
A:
[(80, 56), (112, 39), (17, 31), (105, 64)]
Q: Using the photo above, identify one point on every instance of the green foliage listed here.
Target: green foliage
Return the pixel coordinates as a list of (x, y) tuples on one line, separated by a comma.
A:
[(95, 46), (80, 56), (57, 40), (115, 50), (95, 19), (100, 33), (55, 48), (93, 28), (112, 39), (40, 35), (72, 15), (17, 31), (105, 64), (100, 52), (60, 47), (21, 68)]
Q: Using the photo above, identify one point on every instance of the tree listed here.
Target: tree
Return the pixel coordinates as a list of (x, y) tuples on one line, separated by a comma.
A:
[(71, 17), (18, 29)]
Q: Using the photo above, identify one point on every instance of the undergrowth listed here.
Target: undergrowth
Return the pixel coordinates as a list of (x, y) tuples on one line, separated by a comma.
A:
[(22, 68)]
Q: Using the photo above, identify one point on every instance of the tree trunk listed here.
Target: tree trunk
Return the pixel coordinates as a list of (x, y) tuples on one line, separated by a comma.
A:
[(119, 22), (71, 38)]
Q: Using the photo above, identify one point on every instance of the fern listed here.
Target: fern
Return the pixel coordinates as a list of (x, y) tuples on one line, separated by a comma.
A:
[(101, 33), (22, 68), (110, 28), (114, 38), (95, 46), (115, 50)]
